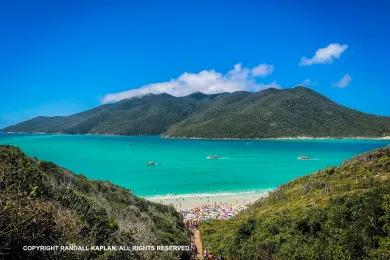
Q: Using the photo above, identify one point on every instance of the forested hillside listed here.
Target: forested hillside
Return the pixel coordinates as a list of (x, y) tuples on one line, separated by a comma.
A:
[(43, 204), (265, 114), (279, 113)]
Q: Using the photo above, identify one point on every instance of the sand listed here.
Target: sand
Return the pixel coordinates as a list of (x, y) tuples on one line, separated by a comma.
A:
[(189, 201)]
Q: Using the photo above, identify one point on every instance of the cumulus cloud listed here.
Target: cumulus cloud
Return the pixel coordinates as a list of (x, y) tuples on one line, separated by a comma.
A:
[(325, 55), (308, 83), (343, 82), (262, 70), (206, 81)]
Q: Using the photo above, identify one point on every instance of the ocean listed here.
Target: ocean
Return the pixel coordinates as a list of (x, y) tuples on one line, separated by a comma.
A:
[(189, 166)]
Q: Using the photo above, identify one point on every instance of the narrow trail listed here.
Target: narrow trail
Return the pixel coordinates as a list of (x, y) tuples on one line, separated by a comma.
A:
[(198, 243)]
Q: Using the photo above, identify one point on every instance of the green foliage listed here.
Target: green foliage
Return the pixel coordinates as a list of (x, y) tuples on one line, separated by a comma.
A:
[(278, 113), (269, 113), (147, 115), (43, 204), (337, 213)]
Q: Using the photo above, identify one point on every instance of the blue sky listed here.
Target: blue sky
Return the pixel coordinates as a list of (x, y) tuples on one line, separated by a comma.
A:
[(61, 57)]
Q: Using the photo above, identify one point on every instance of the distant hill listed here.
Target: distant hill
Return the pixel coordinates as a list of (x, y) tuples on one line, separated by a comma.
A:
[(279, 113), (338, 213), (43, 204), (269, 113), (147, 115)]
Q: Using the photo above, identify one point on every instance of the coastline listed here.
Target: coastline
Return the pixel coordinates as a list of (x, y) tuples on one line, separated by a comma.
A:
[(277, 138), (222, 138), (197, 200)]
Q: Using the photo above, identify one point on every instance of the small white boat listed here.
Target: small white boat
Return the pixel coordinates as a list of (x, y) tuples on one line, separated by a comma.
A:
[(303, 157), (151, 163), (212, 157)]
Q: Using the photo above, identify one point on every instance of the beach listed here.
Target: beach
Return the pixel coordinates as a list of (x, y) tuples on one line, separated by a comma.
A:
[(188, 201), (196, 208)]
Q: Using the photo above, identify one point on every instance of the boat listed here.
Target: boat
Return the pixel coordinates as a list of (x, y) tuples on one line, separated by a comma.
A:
[(212, 157), (303, 157), (151, 163)]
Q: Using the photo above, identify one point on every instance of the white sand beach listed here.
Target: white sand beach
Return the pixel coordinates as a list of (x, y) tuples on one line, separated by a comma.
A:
[(188, 201), (196, 208)]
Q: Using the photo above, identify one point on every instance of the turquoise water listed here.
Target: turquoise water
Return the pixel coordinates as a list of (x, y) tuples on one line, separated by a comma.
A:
[(183, 167)]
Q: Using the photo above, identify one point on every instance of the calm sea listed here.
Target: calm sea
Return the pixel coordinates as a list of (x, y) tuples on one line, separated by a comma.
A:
[(182, 166)]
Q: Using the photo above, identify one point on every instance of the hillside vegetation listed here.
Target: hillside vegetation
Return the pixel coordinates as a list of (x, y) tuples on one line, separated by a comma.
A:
[(43, 204), (337, 213), (279, 113), (265, 114), (147, 115)]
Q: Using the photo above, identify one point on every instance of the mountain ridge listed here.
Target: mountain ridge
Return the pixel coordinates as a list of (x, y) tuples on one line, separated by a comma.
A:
[(299, 111), (270, 113)]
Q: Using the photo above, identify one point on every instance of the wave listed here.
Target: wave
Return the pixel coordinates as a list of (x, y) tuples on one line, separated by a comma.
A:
[(204, 195)]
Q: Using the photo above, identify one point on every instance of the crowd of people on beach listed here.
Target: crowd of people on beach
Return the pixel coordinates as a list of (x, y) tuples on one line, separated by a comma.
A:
[(209, 212), (205, 209)]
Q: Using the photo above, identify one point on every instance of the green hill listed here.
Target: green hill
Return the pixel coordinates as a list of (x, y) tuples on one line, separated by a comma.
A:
[(147, 115), (265, 114), (337, 213), (43, 204), (279, 113)]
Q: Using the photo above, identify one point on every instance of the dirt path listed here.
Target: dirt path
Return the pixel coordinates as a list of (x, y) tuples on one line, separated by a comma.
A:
[(198, 243)]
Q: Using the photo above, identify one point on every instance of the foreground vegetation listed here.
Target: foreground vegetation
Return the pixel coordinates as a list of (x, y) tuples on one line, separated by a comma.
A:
[(337, 213), (265, 114), (43, 204)]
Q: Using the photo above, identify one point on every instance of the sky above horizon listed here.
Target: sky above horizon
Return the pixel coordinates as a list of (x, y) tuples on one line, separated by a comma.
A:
[(62, 57)]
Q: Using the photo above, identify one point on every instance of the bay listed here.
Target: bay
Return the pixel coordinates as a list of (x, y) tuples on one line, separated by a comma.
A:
[(184, 166)]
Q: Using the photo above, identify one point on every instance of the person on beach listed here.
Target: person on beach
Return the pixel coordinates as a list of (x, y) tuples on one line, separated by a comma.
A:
[(206, 254)]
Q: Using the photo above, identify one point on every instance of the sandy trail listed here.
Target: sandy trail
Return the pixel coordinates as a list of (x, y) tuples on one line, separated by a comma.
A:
[(198, 242)]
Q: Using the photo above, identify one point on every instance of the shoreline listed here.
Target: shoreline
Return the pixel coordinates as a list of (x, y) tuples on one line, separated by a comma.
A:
[(198, 200), (222, 138), (278, 138)]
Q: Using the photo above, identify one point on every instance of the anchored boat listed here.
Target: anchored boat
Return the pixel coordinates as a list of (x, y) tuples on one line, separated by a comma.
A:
[(151, 163), (212, 157)]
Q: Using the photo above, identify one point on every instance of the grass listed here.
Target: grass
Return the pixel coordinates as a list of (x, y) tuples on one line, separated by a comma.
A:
[(43, 204)]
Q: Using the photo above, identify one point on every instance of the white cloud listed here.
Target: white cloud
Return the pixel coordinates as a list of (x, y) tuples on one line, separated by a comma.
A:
[(325, 55), (206, 81), (308, 83), (262, 70), (343, 82)]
